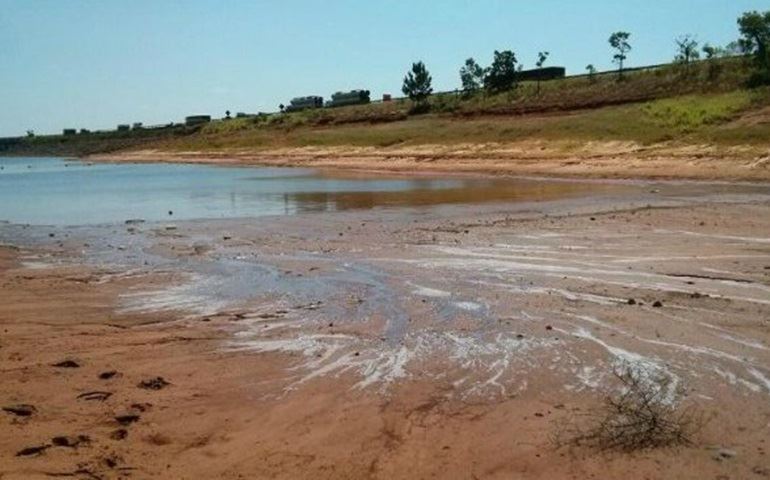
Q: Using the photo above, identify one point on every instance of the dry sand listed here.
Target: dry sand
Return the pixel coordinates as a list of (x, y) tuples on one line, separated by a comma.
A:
[(388, 345), (587, 159)]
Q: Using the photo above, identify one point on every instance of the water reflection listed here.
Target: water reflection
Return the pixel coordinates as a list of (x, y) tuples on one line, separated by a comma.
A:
[(470, 191), (53, 191)]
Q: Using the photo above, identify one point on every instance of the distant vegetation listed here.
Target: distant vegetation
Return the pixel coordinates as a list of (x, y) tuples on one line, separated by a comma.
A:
[(690, 99), (418, 84), (619, 42)]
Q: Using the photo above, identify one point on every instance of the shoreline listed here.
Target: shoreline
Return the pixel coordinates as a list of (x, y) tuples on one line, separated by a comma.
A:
[(592, 160)]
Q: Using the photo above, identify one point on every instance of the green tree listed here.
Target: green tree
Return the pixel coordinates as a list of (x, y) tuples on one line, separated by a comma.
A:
[(712, 54), (619, 41), (501, 76), (417, 83), (687, 49), (755, 37), (591, 72), (471, 76), (541, 58)]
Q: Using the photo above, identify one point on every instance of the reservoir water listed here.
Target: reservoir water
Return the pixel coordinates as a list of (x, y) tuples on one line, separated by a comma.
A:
[(55, 191)]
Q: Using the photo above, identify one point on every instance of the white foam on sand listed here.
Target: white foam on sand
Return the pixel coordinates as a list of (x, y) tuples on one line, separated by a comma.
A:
[(186, 297)]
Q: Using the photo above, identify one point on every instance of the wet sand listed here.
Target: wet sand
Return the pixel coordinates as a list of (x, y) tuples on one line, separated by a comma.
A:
[(453, 342)]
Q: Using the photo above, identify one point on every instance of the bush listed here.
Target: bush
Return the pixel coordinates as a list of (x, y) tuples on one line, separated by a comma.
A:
[(638, 416)]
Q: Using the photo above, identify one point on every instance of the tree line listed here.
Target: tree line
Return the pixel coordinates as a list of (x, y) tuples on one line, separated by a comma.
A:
[(501, 75)]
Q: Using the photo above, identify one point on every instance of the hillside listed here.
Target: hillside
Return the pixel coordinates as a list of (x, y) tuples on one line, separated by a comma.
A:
[(702, 110)]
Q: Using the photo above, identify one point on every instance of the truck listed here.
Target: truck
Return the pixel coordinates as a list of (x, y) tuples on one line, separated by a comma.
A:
[(353, 97), (304, 103)]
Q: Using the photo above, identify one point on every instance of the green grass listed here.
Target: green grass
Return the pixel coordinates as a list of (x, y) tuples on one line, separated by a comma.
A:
[(689, 113), (687, 118)]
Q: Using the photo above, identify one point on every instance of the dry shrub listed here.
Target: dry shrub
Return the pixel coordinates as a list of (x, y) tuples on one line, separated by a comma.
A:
[(637, 416)]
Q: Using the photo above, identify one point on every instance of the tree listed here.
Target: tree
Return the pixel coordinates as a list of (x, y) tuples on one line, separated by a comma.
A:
[(471, 76), (591, 72), (687, 49), (733, 48), (501, 76), (417, 83), (227, 114), (712, 53), (755, 37), (619, 41), (282, 107), (541, 58)]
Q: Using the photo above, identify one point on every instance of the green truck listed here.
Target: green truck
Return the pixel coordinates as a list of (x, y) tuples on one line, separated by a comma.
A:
[(353, 97), (304, 103)]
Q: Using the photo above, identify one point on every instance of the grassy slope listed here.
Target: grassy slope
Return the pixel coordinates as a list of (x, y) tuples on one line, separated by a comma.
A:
[(702, 118), (670, 104), (649, 107)]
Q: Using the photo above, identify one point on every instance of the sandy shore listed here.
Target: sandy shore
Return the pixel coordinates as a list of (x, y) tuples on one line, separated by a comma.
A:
[(450, 343), (559, 159)]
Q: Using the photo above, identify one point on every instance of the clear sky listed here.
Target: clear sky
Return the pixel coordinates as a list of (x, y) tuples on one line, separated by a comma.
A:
[(96, 63)]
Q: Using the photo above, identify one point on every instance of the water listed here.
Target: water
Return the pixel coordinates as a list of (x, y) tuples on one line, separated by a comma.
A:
[(53, 191)]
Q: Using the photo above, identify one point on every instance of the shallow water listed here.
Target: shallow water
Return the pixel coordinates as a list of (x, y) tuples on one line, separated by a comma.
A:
[(54, 191)]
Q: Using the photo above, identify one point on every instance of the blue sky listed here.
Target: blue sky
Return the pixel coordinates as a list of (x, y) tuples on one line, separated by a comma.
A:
[(96, 63)]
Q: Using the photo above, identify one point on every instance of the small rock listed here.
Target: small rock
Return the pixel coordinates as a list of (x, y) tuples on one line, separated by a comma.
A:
[(95, 396), (657, 304), (548, 327), (142, 407), (107, 375), (66, 364), (156, 383), (111, 461), (71, 442), (631, 301), (21, 410), (29, 451), (119, 434), (724, 454), (127, 419), (764, 472)]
